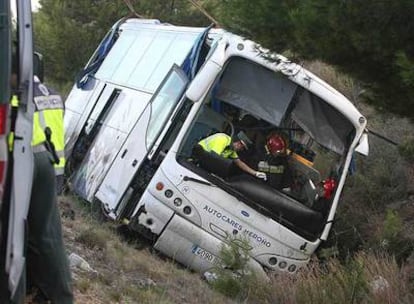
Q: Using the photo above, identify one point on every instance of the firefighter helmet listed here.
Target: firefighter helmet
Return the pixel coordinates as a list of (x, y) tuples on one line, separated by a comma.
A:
[(276, 144)]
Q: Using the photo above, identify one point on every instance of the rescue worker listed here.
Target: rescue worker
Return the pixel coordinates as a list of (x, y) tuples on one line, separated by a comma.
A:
[(275, 162), (47, 263), (223, 145), (47, 266), (52, 117)]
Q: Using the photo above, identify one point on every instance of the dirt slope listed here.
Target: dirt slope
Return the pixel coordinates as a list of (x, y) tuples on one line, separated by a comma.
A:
[(116, 271)]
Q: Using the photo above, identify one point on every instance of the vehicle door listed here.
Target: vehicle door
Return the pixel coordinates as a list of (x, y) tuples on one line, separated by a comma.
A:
[(141, 140)]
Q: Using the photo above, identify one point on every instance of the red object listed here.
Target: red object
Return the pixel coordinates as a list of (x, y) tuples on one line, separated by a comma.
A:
[(4, 151), (328, 187), (276, 144), (3, 119)]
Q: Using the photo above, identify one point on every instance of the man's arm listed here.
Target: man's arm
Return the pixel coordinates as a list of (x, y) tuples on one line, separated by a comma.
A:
[(242, 165)]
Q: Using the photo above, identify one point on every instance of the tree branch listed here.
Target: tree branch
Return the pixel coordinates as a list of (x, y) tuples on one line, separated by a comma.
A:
[(131, 8), (204, 12)]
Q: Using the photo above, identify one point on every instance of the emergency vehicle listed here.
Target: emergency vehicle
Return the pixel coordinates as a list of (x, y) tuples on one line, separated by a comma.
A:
[(16, 163), (152, 91)]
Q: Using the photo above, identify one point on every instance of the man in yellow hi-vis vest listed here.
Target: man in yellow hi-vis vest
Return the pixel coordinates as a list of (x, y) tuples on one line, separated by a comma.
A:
[(47, 267), (47, 263), (49, 117), (223, 145)]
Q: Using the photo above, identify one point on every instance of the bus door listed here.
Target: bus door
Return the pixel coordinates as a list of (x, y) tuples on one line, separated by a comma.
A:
[(142, 138)]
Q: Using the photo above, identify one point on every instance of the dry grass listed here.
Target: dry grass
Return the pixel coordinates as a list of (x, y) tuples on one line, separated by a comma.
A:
[(129, 275), (126, 274), (365, 279)]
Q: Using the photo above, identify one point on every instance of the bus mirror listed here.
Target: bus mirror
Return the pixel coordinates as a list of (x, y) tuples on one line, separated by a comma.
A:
[(38, 68), (202, 82), (208, 73), (363, 146)]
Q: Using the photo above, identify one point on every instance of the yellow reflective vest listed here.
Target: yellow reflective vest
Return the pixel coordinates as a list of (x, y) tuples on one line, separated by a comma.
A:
[(49, 113), (220, 143), (14, 102)]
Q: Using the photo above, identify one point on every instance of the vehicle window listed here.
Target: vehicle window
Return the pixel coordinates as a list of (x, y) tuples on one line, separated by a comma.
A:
[(164, 102), (138, 60)]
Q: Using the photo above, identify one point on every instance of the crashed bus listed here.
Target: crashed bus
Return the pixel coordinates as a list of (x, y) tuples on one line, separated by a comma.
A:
[(152, 91)]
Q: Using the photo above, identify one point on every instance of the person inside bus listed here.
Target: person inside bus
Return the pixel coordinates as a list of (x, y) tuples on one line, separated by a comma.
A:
[(227, 147), (275, 161)]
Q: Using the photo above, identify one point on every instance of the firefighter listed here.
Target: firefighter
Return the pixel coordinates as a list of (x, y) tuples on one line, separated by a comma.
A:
[(223, 145), (275, 161)]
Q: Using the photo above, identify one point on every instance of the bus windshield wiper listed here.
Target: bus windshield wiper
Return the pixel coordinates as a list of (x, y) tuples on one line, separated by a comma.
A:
[(191, 179)]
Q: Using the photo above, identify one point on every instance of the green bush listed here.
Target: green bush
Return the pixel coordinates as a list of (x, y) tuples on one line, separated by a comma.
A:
[(392, 239), (234, 278), (406, 149)]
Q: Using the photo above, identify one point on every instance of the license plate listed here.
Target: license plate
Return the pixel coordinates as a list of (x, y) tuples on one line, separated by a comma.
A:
[(204, 254)]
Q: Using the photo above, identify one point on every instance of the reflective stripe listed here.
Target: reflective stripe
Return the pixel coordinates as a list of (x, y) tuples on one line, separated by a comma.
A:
[(42, 120), (277, 169), (59, 171), (48, 102), (39, 148), (62, 161), (60, 153)]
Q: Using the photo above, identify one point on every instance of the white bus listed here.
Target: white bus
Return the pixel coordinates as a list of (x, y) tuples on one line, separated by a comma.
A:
[(152, 91)]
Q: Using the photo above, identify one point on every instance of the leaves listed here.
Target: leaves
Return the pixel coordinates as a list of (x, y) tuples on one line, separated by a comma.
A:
[(370, 40), (67, 32)]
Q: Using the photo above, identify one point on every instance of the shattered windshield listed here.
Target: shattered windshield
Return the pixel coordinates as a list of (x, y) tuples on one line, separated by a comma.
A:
[(297, 139), (267, 95)]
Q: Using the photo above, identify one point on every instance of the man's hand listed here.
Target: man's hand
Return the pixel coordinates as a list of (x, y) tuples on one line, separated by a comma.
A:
[(261, 175)]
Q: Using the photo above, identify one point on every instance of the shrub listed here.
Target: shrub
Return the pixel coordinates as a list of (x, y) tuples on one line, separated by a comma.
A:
[(93, 238), (366, 278), (406, 149), (391, 238), (233, 276)]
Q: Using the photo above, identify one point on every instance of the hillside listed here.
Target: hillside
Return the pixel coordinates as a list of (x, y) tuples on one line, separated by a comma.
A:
[(367, 259), (122, 272)]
